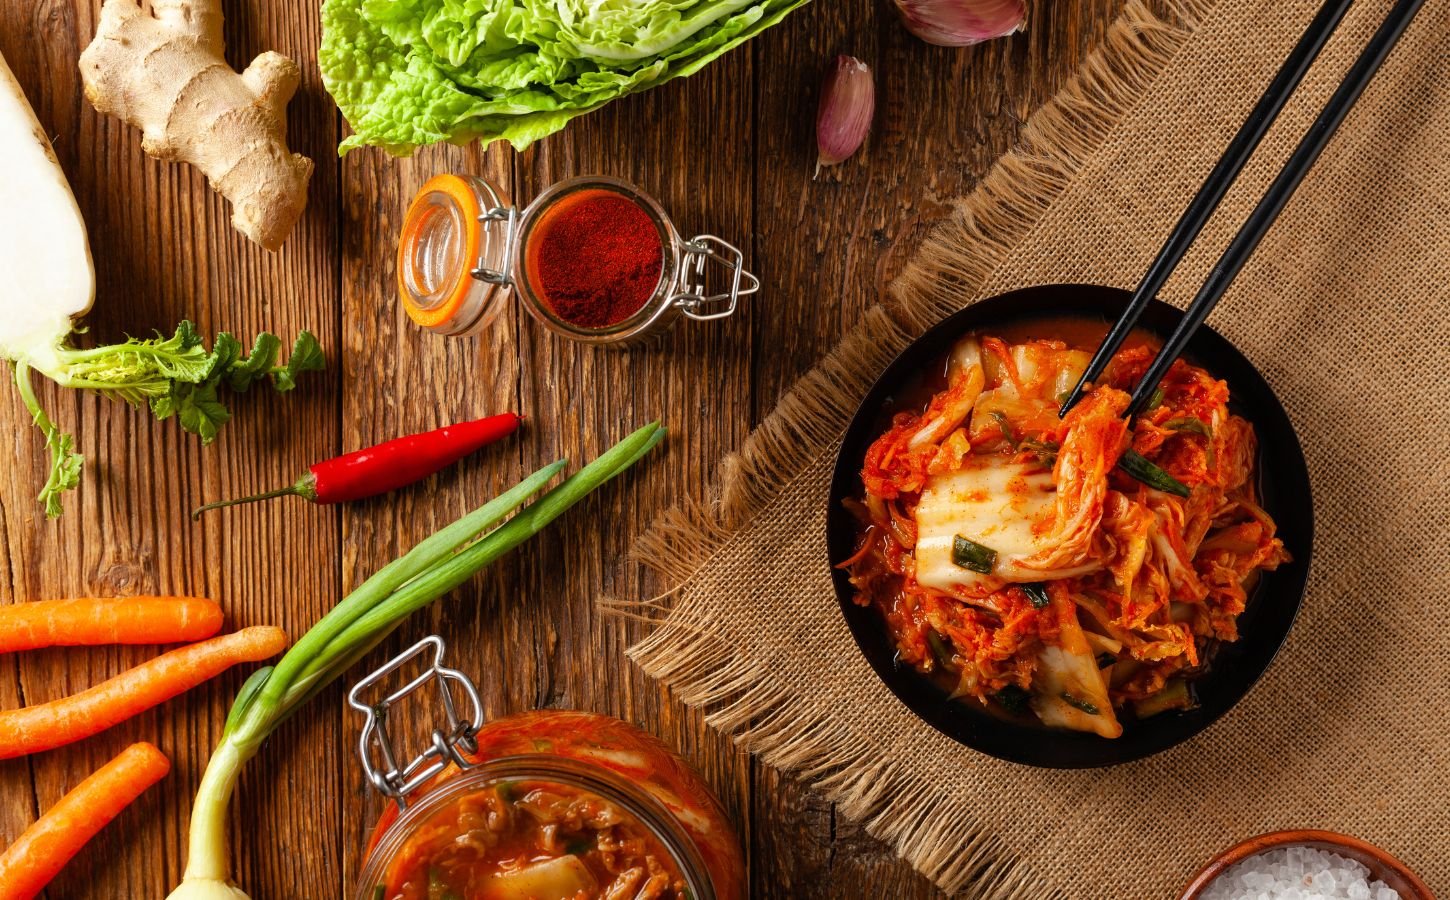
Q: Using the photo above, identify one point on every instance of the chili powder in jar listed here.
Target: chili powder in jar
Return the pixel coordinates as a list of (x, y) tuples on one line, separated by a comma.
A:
[(592, 259), (596, 258)]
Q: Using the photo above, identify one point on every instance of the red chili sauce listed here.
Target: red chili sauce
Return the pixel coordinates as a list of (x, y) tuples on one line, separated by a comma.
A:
[(595, 258)]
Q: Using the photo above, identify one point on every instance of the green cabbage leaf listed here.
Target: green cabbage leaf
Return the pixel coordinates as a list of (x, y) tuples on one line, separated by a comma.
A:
[(407, 73)]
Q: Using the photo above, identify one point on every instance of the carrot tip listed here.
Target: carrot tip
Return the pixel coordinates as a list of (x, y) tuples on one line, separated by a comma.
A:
[(145, 751)]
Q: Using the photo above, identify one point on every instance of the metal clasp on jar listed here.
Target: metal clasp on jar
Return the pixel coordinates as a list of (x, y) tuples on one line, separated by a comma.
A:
[(509, 217), (451, 744), (691, 297)]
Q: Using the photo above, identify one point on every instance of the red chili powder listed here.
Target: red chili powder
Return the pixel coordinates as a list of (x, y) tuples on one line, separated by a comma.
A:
[(596, 258)]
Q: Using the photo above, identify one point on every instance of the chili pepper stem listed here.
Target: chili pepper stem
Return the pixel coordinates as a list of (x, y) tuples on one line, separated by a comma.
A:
[(305, 487)]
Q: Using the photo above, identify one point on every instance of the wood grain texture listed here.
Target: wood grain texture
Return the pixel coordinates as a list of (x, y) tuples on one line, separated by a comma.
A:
[(729, 151)]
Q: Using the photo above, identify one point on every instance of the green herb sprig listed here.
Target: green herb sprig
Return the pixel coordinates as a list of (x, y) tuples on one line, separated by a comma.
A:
[(173, 376)]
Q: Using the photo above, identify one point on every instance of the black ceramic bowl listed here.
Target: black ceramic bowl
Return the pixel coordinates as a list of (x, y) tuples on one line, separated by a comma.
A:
[(1232, 669)]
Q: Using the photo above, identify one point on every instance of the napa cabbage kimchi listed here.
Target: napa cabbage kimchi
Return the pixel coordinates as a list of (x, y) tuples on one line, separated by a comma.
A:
[(1077, 569)]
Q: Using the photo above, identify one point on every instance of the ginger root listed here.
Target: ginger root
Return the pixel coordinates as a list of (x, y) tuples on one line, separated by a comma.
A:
[(163, 70)]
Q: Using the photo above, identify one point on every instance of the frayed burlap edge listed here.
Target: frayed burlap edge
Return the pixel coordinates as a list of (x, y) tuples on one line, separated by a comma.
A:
[(702, 668)]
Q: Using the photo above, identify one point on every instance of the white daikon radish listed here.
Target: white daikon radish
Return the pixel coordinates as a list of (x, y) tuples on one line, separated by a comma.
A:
[(45, 266), (45, 260), (554, 879)]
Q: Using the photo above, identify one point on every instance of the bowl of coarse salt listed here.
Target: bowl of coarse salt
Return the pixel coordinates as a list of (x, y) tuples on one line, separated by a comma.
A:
[(1305, 865)]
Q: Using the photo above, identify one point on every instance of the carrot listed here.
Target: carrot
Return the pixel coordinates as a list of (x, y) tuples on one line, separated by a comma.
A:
[(48, 725), (31, 862), (131, 620)]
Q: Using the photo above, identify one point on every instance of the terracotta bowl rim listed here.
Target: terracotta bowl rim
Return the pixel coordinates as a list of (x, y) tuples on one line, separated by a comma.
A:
[(1274, 839)]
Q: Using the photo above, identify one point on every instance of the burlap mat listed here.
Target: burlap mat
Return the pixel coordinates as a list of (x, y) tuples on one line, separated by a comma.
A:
[(1344, 308)]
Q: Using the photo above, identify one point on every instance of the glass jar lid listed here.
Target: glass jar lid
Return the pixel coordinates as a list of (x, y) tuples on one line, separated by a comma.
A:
[(455, 227)]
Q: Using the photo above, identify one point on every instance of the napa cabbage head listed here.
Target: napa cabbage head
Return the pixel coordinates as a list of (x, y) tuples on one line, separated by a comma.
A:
[(407, 73)]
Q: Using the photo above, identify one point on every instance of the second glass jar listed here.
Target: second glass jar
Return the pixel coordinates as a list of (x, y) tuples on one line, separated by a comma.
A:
[(543, 805)]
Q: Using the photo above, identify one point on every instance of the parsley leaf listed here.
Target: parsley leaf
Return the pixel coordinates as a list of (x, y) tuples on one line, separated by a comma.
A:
[(65, 471), (306, 356), (257, 364), (199, 410), (65, 463)]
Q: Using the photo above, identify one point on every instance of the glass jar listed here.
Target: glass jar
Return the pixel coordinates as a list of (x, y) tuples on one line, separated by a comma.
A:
[(465, 249), (465, 806)]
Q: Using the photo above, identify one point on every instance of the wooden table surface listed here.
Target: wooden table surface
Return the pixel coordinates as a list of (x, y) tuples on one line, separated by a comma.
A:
[(729, 151)]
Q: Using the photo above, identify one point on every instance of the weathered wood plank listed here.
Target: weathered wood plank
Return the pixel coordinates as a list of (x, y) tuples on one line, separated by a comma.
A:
[(729, 151), (164, 250), (688, 143), (398, 380)]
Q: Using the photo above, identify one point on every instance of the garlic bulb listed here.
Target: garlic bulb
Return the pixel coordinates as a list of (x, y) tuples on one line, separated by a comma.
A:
[(961, 23), (848, 101)]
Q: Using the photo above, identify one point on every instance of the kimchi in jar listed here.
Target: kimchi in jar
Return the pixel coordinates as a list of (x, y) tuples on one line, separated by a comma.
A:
[(553, 805)]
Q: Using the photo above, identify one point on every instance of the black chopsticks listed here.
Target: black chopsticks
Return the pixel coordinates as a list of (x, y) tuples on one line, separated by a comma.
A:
[(1222, 177)]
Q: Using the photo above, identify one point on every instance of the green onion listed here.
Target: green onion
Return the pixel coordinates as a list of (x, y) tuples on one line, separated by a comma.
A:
[(1190, 425), (1013, 699), (939, 648), (1079, 704), (1174, 695), (380, 891), (1007, 431), (579, 846), (437, 887), (1037, 593), (364, 619), (1194, 426), (1155, 399), (969, 554), (1046, 450), (245, 696), (1138, 466)]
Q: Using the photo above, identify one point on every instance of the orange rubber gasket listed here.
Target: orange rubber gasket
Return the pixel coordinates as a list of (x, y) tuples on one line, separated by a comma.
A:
[(459, 191)]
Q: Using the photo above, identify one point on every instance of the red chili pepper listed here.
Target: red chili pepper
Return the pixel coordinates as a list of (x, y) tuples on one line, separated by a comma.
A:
[(389, 465)]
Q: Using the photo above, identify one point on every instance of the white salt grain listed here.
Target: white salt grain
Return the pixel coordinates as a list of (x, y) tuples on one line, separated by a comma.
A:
[(1297, 873)]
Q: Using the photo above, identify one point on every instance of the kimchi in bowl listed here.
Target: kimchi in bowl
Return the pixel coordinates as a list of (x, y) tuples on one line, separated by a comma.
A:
[(1039, 589)]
